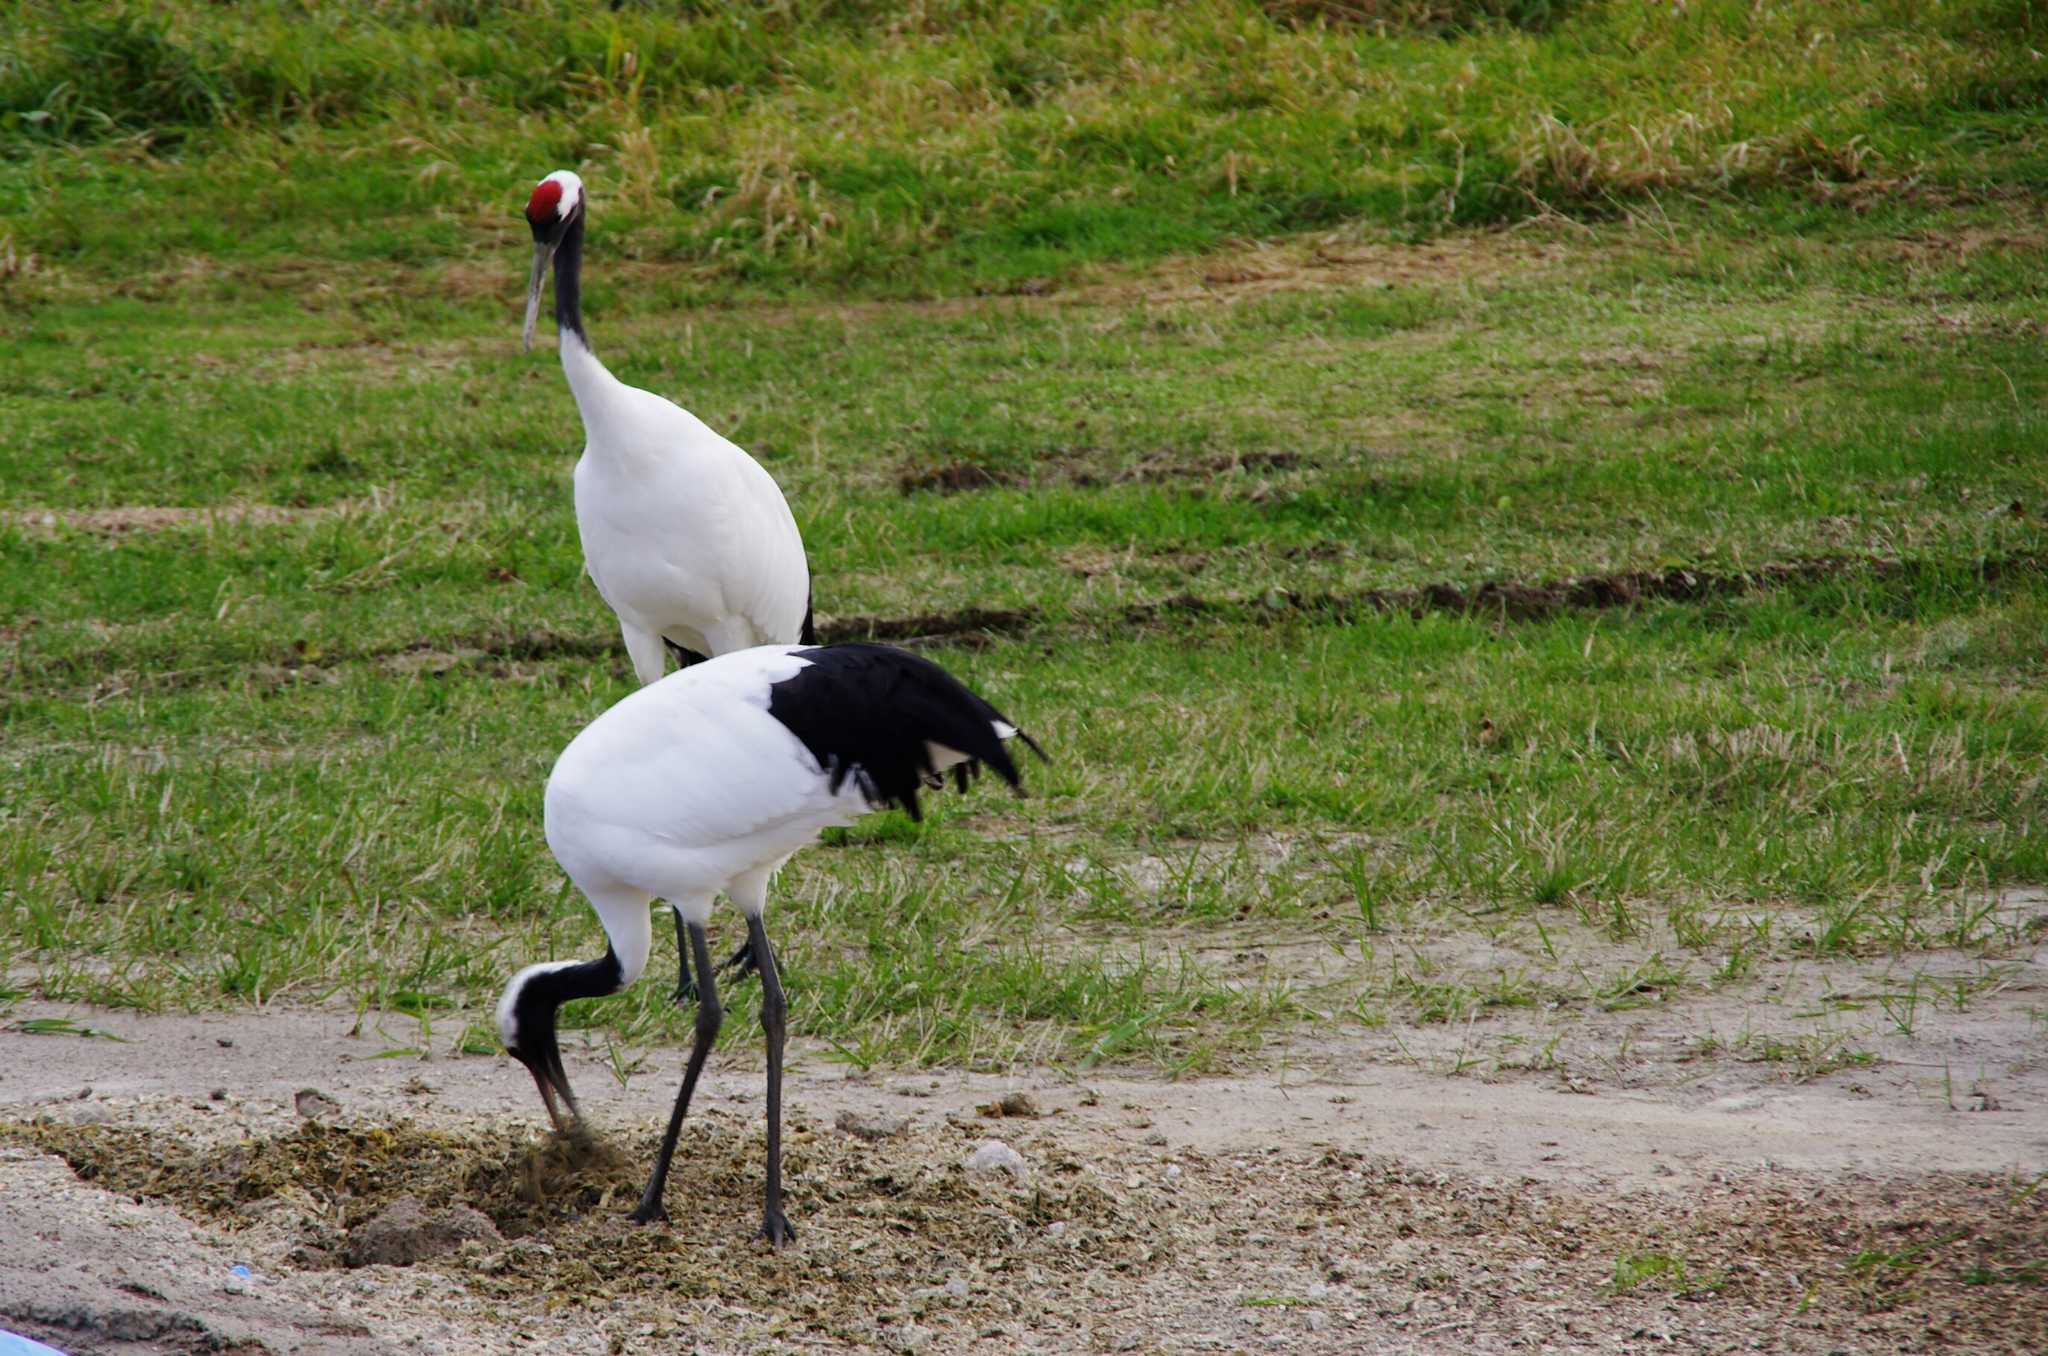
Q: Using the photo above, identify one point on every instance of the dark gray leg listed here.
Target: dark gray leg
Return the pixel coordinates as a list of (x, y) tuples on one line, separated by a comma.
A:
[(709, 1015), (774, 1226), (686, 992)]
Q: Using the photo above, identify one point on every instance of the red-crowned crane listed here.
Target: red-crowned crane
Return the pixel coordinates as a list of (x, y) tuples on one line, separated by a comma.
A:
[(688, 540), (708, 781)]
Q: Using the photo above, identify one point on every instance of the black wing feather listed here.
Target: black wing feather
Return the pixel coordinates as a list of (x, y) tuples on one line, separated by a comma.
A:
[(868, 712)]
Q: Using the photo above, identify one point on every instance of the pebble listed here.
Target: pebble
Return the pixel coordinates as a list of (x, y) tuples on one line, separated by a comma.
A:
[(993, 1156), (906, 1336), (1019, 1104), (871, 1126), (313, 1104)]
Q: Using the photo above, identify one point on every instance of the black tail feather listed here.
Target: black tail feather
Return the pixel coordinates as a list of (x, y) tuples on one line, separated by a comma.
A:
[(872, 712)]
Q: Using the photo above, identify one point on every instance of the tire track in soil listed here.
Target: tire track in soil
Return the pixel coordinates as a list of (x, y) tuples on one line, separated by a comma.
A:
[(1509, 600)]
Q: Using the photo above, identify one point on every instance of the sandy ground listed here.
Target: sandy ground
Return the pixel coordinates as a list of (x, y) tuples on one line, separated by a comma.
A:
[(1350, 1196)]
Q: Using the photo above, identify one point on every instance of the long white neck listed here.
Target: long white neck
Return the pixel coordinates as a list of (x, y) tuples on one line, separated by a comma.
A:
[(590, 381)]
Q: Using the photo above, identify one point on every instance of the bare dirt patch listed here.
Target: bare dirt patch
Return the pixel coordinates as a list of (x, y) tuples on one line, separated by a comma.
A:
[(1333, 260), (1334, 1203), (138, 518), (1061, 466), (1510, 600)]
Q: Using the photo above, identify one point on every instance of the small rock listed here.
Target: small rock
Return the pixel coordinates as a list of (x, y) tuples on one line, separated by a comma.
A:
[(905, 1336), (286, 1210), (224, 1042), (1317, 1320), (956, 1287), (90, 1113), (219, 1094), (1012, 1104), (306, 1257), (870, 1127), (1156, 1139), (313, 1104), (993, 1156), (405, 1233)]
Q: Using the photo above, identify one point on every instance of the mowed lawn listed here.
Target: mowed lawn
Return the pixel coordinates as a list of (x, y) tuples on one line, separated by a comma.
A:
[(1667, 567)]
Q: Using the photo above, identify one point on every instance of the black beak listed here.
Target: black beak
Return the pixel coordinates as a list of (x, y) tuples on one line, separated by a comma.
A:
[(553, 1081)]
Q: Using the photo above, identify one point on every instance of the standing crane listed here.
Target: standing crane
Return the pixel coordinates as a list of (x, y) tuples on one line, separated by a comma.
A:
[(707, 781), (688, 540)]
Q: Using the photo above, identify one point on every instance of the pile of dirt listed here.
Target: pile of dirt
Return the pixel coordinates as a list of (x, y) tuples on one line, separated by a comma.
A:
[(900, 1244), (877, 1223)]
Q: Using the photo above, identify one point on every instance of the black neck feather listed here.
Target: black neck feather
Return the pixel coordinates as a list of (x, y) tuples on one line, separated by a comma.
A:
[(569, 280), (547, 991)]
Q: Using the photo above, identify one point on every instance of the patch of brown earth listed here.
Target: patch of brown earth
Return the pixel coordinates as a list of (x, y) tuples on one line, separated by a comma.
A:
[(116, 522), (1116, 1242), (1072, 467), (1511, 600)]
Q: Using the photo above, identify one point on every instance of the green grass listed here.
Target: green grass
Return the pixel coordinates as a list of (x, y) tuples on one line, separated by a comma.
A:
[(968, 143), (1312, 588)]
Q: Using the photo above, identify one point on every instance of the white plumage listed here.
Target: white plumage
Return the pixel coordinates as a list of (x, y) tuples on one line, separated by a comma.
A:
[(686, 788), (687, 538), (707, 781)]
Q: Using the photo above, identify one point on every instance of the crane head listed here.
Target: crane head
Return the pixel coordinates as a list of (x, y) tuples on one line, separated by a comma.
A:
[(556, 204)]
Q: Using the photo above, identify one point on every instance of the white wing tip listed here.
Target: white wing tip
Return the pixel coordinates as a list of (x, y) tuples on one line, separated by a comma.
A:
[(1004, 730)]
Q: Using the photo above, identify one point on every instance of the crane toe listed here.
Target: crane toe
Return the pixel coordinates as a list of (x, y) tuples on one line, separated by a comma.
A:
[(741, 963), (776, 1228)]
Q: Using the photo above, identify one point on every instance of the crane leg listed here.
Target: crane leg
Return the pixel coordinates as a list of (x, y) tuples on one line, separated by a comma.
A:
[(709, 1015), (774, 1008), (686, 989)]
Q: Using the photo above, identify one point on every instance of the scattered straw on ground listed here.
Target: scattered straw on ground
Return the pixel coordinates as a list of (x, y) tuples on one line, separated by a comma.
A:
[(900, 1245)]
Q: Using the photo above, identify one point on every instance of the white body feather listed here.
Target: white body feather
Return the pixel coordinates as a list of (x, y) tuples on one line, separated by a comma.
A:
[(685, 788), (684, 534)]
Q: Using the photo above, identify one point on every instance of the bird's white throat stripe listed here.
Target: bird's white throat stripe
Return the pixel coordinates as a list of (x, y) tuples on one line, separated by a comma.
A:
[(510, 999)]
